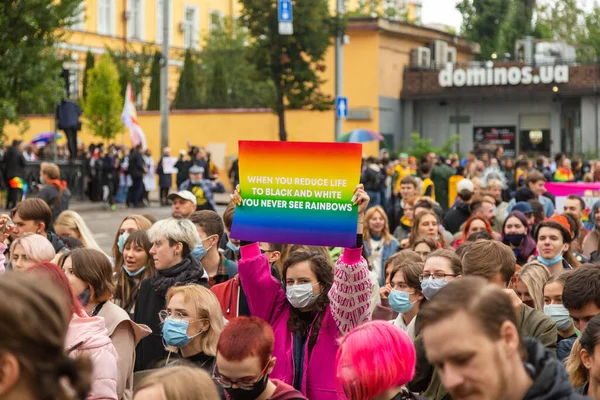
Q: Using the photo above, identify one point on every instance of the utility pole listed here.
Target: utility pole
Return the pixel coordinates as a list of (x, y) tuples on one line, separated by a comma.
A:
[(339, 67), (164, 78)]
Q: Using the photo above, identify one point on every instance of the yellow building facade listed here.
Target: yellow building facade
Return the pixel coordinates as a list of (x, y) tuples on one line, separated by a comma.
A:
[(375, 55)]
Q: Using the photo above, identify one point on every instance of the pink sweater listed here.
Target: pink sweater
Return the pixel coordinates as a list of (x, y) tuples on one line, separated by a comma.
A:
[(349, 307)]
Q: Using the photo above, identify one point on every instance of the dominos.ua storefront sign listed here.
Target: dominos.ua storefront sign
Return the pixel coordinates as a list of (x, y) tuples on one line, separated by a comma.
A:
[(490, 76)]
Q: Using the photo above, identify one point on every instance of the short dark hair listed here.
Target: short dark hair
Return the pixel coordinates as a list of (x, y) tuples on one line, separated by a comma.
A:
[(425, 168), (487, 304), (481, 235), (486, 258), (209, 221), (535, 176), (423, 204), (228, 216), (582, 288), (409, 180), (524, 194), (34, 210), (578, 198), (538, 209), (477, 204)]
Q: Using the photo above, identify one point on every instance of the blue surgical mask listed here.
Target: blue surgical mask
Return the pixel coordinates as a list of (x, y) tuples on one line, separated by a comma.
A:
[(121, 242), (136, 273), (175, 332), (560, 315), (431, 286), (199, 251), (231, 246), (399, 301), (549, 263)]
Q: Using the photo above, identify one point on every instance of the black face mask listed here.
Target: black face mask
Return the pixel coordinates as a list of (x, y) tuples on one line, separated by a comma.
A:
[(515, 240), (84, 297), (252, 394)]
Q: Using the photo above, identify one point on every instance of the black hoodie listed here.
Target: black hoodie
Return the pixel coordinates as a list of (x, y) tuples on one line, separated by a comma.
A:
[(550, 380), (458, 215)]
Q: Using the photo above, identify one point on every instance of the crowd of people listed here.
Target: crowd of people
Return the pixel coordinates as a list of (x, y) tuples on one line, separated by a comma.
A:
[(493, 295)]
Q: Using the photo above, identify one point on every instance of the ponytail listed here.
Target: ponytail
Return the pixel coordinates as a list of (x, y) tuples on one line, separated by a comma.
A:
[(79, 374), (578, 374)]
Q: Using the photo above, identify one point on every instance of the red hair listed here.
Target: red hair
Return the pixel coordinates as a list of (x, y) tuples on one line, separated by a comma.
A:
[(488, 227), (245, 337), (53, 273)]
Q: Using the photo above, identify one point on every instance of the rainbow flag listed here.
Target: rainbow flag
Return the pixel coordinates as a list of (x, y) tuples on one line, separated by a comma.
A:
[(18, 183), (563, 175), (298, 193)]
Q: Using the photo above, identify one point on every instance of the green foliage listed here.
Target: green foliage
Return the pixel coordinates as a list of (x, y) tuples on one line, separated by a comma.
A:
[(421, 146), (30, 64), (154, 98), (227, 46), (89, 64), (481, 22), (132, 66), (189, 94), (292, 63), (516, 25), (103, 104)]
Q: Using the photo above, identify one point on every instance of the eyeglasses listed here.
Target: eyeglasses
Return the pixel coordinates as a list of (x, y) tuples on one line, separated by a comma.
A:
[(243, 383), (165, 314), (435, 275)]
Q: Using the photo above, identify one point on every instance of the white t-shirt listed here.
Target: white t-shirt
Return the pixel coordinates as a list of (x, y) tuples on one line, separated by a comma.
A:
[(409, 329)]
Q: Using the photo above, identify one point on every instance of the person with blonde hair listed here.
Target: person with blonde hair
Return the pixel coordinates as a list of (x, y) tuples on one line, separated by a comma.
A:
[(33, 330), (172, 243), (69, 223), (192, 323), (129, 224), (427, 224), (30, 249), (582, 364), (177, 383), (530, 284), (379, 243)]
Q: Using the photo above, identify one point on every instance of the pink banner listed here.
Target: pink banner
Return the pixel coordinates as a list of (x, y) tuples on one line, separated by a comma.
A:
[(580, 189)]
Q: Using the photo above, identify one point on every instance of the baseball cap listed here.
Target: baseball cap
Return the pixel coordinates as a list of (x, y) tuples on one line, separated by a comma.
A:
[(195, 169), (524, 207), (184, 194), (465, 184)]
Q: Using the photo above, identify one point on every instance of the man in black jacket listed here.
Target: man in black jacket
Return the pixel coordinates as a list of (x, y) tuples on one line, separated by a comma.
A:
[(460, 213), (136, 170), (14, 163), (495, 362), (54, 191)]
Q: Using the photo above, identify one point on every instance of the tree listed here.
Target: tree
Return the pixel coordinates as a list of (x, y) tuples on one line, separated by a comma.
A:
[(89, 64), (189, 94), (481, 22), (227, 45), (516, 25), (154, 99), (292, 62), (132, 66), (216, 97), (103, 104), (30, 63)]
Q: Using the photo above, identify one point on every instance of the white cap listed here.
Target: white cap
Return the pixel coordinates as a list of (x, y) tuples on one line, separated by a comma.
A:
[(184, 194), (465, 184)]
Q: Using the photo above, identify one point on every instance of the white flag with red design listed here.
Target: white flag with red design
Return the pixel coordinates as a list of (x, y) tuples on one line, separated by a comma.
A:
[(130, 119)]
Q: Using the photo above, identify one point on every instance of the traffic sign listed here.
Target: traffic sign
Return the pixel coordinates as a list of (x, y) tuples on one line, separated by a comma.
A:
[(285, 11), (341, 107)]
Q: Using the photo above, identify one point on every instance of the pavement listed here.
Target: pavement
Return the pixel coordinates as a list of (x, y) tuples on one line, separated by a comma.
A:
[(104, 223)]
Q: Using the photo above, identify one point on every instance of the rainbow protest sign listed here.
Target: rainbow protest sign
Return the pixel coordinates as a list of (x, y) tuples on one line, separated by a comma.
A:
[(298, 193)]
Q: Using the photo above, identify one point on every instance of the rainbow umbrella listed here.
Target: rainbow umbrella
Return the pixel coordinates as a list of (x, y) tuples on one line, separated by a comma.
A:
[(41, 139), (361, 136)]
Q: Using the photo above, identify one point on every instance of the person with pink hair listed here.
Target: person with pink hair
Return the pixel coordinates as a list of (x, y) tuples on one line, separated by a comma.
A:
[(374, 361)]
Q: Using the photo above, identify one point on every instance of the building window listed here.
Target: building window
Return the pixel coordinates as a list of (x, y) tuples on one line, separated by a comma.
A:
[(79, 19), (135, 19), (74, 78), (106, 17), (190, 27), (216, 19), (159, 21)]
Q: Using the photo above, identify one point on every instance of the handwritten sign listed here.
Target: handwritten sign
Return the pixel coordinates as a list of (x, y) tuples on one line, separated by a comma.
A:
[(298, 193)]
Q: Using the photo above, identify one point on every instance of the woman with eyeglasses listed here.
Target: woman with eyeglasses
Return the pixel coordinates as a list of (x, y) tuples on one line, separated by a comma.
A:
[(245, 362), (406, 297), (192, 324), (172, 243), (441, 267)]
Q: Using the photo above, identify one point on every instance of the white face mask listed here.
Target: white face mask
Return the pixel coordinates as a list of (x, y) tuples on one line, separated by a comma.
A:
[(301, 296)]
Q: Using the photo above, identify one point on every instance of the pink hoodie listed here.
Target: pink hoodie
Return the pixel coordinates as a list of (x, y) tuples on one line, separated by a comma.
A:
[(88, 336)]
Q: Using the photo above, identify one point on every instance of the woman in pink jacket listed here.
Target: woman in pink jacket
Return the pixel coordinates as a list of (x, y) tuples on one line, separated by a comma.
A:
[(86, 336), (318, 305)]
